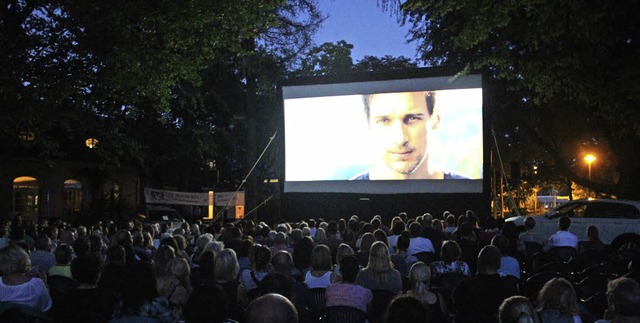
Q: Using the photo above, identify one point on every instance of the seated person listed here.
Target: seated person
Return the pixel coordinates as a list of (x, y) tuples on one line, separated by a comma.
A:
[(562, 238), (346, 292), (320, 274), (530, 235), (87, 300), (402, 260), (16, 286), (477, 299), (63, 254), (379, 273), (508, 264)]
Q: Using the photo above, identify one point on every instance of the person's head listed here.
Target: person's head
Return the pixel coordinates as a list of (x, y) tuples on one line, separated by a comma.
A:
[(489, 260), (320, 236), (343, 250), (321, 258), (367, 240), (14, 260), (379, 258), (564, 222), (558, 293), (207, 264), (529, 223), (420, 275), (86, 269), (43, 243), (501, 242), (397, 227), (517, 309), (380, 236), (302, 253), (63, 254), (262, 257), (403, 242), (593, 233), (163, 255), (400, 124), (282, 262), (349, 268), (271, 308), (406, 308), (226, 265), (450, 251), (623, 297), (415, 229)]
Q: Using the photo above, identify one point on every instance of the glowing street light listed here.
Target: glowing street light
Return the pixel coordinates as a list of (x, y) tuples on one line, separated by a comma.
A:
[(589, 159)]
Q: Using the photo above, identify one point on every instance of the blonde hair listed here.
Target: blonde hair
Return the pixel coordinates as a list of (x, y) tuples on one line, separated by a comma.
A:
[(379, 262), (419, 277), (14, 260), (227, 267), (343, 250), (558, 293)]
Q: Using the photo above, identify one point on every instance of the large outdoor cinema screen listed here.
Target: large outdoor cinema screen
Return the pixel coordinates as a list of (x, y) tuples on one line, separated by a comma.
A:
[(386, 136)]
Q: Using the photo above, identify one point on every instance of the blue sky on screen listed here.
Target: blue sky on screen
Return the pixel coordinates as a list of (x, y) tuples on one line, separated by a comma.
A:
[(366, 26)]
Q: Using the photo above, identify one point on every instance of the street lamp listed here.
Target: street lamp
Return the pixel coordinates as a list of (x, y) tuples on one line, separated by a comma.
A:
[(589, 159)]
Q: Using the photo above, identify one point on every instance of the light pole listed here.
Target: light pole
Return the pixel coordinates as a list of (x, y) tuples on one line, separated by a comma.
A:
[(589, 159)]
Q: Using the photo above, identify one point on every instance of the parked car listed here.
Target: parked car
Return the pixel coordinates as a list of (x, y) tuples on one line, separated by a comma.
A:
[(612, 217), (163, 214)]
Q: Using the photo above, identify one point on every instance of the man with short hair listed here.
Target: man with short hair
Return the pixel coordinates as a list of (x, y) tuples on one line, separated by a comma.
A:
[(562, 238), (478, 298), (400, 125), (271, 308)]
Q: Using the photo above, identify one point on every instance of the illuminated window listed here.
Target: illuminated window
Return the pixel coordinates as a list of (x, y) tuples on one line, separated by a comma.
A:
[(72, 195), (25, 196)]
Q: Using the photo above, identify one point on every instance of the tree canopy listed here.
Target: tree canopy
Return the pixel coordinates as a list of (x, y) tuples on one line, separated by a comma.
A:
[(571, 71)]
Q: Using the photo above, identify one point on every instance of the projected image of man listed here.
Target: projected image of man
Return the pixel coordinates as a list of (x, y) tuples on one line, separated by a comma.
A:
[(400, 125)]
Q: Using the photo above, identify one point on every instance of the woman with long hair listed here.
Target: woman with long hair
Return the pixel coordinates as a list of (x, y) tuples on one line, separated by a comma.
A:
[(557, 302), (379, 273), (420, 277)]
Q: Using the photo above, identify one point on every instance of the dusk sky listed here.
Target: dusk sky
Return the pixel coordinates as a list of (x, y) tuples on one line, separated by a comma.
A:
[(362, 23)]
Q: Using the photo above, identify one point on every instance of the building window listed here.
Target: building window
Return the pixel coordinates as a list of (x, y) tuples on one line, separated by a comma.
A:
[(72, 196), (25, 197)]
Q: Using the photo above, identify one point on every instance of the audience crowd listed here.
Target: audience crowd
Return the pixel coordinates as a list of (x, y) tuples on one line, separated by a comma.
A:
[(425, 268)]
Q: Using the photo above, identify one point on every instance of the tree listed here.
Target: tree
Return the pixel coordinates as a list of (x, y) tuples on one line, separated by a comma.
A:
[(571, 70)]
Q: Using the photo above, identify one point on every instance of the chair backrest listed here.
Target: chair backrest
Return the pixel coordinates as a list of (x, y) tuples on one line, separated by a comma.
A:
[(565, 253), (561, 267), (316, 299), (426, 257), (542, 258), (592, 285), (381, 299), (342, 314), (597, 304), (18, 313), (531, 248), (533, 284)]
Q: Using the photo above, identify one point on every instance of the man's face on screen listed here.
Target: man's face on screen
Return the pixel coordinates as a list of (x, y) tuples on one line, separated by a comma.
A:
[(398, 124)]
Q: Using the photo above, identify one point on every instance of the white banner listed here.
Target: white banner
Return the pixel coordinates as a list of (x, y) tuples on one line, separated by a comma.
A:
[(222, 199), (232, 198), (155, 196)]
